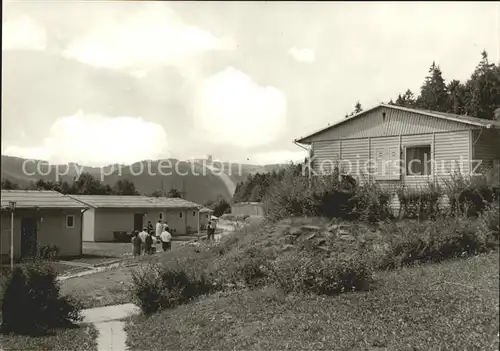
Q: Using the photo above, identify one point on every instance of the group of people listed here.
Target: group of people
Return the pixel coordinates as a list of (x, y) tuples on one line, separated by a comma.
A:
[(142, 242)]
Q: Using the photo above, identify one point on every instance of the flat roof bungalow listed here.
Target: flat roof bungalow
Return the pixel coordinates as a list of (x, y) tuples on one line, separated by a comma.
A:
[(396, 145), (41, 218), (108, 214)]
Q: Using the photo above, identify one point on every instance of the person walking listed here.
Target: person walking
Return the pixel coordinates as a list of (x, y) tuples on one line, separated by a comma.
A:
[(148, 247), (150, 228), (136, 244), (209, 228), (143, 235), (213, 226), (166, 240), (159, 228)]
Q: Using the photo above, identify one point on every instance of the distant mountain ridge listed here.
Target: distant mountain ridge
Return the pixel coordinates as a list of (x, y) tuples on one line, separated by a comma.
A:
[(197, 182)]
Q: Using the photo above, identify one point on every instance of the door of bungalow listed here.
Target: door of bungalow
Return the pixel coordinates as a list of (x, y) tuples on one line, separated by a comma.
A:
[(28, 237), (138, 221)]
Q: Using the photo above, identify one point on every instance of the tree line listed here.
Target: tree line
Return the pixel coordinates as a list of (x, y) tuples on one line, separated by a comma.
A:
[(255, 187), (87, 184), (478, 96)]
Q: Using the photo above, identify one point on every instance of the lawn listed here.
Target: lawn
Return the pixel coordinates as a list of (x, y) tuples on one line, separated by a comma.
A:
[(100, 289), (75, 339), (448, 306)]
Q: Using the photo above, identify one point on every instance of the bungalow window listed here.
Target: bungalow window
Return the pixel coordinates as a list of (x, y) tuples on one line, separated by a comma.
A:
[(194, 213), (70, 221), (207, 216), (161, 216), (418, 161), (180, 214)]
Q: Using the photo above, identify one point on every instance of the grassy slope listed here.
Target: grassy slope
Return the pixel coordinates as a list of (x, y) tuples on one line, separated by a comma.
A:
[(453, 305), (80, 338)]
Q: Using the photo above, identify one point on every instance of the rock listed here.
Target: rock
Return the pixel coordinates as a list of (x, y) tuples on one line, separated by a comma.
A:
[(321, 242), (342, 232), (311, 236), (295, 231), (290, 239), (310, 228), (347, 237), (287, 247), (324, 248), (333, 228)]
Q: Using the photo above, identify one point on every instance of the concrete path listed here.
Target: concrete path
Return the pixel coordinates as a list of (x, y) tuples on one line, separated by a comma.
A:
[(111, 333)]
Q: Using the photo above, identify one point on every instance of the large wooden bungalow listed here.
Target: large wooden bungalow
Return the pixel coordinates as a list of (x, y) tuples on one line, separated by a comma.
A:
[(394, 146)]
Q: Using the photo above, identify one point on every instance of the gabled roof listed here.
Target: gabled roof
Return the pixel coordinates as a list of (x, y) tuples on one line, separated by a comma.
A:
[(39, 199), (131, 201), (206, 210), (478, 122)]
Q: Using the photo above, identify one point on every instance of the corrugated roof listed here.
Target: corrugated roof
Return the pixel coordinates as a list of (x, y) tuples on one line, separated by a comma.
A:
[(205, 209), (130, 201), (479, 122), (38, 198)]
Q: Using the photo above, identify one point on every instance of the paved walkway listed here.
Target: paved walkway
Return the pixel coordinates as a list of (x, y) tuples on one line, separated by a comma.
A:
[(110, 328)]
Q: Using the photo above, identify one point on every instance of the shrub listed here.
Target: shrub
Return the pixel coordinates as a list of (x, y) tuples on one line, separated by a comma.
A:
[(304, 272), (371, 203), (489, 221), (49, 252), (32, 302), (468, 196), (163, 286), (147, 287), (417, 242), (419, 203), (242, 267), (299, 196)]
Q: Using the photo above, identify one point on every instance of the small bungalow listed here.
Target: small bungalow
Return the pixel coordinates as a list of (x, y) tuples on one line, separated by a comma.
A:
[(40, 218), (249, 209), (395, 145), (110, 214)]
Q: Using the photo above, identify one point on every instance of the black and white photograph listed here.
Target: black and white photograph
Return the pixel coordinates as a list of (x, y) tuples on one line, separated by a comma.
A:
[(250, 175)]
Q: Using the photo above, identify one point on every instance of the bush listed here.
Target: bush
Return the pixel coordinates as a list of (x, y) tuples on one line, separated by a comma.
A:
[(371, 203), (418, 242), (49, 252), (468, 196), (489, 221), (32, 302), (164, 286), (299, 196), (242, 267), (419, 203), (304, 272)]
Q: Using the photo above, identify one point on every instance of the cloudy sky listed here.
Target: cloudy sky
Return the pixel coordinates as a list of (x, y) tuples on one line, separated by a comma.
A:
[(100, 82)]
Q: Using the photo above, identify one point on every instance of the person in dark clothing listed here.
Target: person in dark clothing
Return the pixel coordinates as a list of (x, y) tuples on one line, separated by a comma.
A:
[(148, 245), (151, 229), (136, 244)]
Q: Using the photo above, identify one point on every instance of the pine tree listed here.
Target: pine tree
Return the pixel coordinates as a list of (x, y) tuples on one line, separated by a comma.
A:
[(483, 89), (433, 95)]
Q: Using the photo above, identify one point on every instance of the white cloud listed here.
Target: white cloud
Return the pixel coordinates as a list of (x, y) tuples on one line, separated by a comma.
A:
[(302, 55), (151, 37), (278, 156), (231, 109), (96, 140), (23, 33)]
